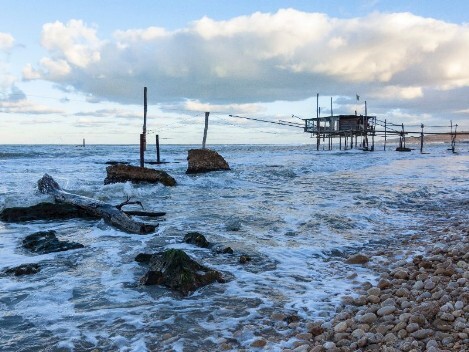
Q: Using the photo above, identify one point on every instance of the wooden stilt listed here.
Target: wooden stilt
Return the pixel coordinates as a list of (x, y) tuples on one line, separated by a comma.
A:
[(142, 150), (158, 149)]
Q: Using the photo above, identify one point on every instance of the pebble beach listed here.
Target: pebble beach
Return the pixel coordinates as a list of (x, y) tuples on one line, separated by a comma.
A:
[(420, 302)]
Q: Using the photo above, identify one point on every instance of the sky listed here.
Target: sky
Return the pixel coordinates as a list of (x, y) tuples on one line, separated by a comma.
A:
[(77, 69)]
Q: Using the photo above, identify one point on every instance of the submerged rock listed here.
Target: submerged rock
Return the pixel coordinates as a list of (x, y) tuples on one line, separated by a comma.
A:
[(197, 239), (205, 160), (357, 259), (44, 242), (44, 211), (176, 270), (24, 269), (123, 173)]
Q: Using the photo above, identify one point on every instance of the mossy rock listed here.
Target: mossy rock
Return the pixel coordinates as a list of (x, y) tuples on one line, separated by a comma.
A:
[(176, 270)]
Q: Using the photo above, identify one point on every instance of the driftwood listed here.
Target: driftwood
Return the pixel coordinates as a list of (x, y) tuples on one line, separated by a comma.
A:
[(108, 212)]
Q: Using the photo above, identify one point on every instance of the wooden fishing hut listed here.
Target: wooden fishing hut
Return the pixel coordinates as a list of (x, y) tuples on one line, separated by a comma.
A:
[(349, 127)]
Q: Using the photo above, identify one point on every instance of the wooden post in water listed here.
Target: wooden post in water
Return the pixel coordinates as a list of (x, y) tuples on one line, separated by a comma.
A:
[(83, 142), (384, 134), (142, 150), (318, 136), (421, 138), (144, 132), (158, 149), (205, 130), (340, 142)]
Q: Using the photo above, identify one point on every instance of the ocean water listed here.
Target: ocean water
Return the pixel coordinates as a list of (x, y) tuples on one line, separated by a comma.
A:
[(295, 211)]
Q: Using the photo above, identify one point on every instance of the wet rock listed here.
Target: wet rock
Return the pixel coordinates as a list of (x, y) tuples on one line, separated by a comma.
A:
[(47, 242), (221, 249), (259, 343), (44, 211), (24, 269), (357, 259), (143, 258), (176, 270), (205, 160), (197, 239), (244, 259), (135, 174)]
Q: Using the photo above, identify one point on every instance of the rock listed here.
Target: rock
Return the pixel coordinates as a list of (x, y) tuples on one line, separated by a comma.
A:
[(386, 310), (244, 259), (143, 258), (367, 318), (422, 334), (341, 327), (357, 259), (44, 211), (175, 269), (46, 242), (401, 274), (136, 174), (329, 345), (412, 327), (197, 239), (24, 269), (221, 249), (259, 343), (205, 160)]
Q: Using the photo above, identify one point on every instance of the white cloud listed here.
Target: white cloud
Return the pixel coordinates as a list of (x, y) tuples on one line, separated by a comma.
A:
[(6, 41), (395, 92), (74, 42), (27, 107), (197, 106), (263, 57)]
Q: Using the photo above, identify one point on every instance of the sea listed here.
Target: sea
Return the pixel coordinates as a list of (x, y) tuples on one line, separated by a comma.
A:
[(297, 212)]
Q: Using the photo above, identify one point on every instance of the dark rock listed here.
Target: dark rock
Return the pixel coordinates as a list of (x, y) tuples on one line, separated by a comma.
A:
[(197, 239), (357, 259), (47, 242), (205, 160), (24, 269), (221, 249), (244, 259), (292, 319), (44, 211), (112, 162), (176, 270), (135, 174), (143, 258)]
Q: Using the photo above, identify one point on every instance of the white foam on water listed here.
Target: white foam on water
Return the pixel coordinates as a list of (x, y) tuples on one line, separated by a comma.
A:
[(297, 213)]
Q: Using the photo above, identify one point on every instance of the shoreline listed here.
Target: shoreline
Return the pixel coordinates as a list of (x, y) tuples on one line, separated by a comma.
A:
[(420, 301)]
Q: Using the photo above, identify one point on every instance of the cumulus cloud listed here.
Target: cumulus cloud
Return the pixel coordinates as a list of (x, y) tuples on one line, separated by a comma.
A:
[(6, 41), (27, 107), (263, 57)]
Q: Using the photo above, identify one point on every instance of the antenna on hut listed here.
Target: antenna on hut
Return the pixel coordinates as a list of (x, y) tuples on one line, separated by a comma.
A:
[(143, 135)]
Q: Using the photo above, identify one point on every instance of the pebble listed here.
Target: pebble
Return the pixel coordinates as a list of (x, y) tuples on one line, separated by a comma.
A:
[(386, 310), (417, 305)]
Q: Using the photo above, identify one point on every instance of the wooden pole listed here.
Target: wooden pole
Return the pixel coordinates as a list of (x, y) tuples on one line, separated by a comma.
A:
[(340, 142), (158, 149), (83, 142), (318, 136), (144, 132), (205, 130), (385, 134), (332, 112), (142, 150), (421, 139)]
